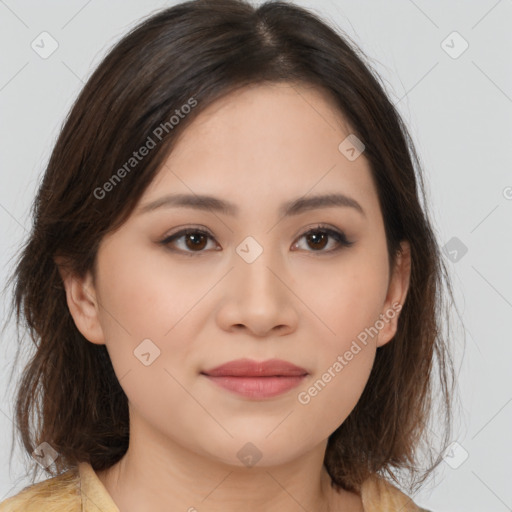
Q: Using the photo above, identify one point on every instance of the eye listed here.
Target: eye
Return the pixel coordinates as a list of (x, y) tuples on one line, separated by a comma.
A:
[(319, 236), (196, 240)]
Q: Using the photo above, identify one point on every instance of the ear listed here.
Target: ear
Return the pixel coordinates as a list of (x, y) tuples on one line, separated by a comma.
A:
[(82, 303), (397, 292)]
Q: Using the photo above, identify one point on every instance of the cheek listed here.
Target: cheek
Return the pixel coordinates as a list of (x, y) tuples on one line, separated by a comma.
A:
[(347, 295), (140, 305), (142, 294), (343, 367), (349, 305), (148, 316)]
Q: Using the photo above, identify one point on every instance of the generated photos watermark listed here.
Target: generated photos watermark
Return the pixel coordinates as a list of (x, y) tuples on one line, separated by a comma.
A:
[(151, 142), (304, 397)]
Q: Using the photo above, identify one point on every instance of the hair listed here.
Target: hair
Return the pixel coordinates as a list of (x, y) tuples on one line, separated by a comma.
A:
[(195, 53)]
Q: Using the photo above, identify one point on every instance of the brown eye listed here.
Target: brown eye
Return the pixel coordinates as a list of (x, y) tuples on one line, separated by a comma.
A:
[(318, 241), (195, 240), (318, 238)]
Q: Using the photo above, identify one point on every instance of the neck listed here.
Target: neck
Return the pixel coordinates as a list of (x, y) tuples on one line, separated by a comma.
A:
[(160, 476)]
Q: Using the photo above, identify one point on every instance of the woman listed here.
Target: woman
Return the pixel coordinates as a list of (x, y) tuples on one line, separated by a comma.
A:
[(232, 285)]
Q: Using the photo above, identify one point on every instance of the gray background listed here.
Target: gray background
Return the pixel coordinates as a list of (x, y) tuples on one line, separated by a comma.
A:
[(459, 111)]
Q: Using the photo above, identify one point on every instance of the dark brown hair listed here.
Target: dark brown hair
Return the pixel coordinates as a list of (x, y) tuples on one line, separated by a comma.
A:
[(203, 50)]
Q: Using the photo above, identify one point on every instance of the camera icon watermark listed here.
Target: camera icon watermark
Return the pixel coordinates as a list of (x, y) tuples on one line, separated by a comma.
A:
[(249, 454), (146, 352), (249, 249), (455, 455), (45, 455), (351, 147), (454, 45), (44, 45), (454, 249)]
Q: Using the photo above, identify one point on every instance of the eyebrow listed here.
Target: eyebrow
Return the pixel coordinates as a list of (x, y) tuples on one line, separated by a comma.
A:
[(210, 203)]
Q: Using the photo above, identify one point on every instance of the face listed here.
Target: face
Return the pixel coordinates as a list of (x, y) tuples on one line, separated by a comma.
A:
[(247, 281)]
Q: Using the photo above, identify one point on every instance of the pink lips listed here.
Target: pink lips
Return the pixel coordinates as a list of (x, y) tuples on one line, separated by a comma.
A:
[(257, 379)]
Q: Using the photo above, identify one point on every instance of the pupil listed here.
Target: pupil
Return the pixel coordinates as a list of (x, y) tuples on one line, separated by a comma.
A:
[(315, 241), (196, 243)]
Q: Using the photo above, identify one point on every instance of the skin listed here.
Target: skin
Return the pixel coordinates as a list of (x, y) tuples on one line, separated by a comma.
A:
[(258, 148)]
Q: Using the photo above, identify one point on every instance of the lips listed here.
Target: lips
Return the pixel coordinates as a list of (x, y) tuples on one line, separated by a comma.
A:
[(251, 368), (257, 380)]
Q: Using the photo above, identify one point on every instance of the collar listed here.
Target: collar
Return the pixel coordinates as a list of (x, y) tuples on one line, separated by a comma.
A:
[(95, 497), (377, 494)]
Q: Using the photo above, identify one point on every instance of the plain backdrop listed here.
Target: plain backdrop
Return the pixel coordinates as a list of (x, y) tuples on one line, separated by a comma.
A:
[(454, 91)]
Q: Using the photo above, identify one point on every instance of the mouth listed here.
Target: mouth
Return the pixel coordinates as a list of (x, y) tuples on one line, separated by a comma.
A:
[(257, 380), (257, 387), (252, 368)]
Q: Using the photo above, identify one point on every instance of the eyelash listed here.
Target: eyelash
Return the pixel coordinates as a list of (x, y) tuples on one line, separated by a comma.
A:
[(339, 236)]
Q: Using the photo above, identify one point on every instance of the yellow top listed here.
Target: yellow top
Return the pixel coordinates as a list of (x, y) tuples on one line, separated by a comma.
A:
[(81, 490)]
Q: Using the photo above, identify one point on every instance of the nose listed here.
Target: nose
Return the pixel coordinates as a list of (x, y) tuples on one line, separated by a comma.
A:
[(258, 298)]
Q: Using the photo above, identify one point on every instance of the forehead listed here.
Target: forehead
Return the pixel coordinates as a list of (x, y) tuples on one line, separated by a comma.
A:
[(273, 141), (275, 112)]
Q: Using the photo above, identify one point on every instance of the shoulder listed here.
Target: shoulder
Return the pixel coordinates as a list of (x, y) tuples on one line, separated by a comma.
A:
[(57, 494), (379, 495)]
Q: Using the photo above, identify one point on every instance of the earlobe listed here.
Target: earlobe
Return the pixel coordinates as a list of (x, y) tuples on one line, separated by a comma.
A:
[(83, 304), (397, 293)]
